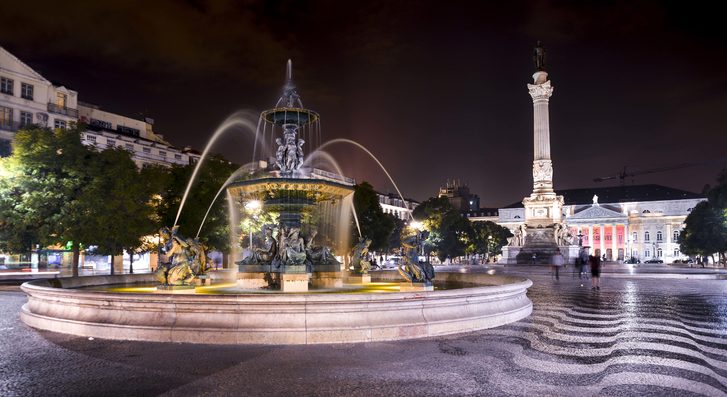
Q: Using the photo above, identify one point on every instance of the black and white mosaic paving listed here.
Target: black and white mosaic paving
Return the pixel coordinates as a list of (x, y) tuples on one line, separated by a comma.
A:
[(634, 337)]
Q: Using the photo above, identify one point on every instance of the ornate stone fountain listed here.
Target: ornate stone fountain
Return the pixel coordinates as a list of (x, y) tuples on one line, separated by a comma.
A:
[(288, 256)]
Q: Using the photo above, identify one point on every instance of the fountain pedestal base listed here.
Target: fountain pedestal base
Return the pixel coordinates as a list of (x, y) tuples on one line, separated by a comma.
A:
[(294, 282), (415, 287), (359, 279)]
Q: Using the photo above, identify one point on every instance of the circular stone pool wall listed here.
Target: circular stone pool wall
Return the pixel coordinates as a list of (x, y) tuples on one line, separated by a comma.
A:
[(59, 305)]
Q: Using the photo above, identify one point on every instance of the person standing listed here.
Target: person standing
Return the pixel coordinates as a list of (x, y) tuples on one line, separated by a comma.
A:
[(583, 266), (595, 263), (558, 261)]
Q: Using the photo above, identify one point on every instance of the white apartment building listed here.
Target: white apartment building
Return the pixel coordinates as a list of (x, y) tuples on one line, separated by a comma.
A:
[(393, 204), (27, 98)]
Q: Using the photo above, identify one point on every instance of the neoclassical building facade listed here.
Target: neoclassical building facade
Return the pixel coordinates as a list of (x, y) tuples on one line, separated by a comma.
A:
[(640, 221)]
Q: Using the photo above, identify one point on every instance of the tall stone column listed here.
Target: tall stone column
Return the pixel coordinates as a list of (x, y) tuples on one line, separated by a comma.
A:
[(541, 92), (614, 242), (543, 208), (591, 243), (602, 240)]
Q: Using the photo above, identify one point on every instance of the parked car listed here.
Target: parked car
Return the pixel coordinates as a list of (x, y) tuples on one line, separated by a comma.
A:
[(632, 260), (654, 261)]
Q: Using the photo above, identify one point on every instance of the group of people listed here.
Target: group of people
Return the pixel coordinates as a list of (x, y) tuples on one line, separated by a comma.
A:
[(583, 263)]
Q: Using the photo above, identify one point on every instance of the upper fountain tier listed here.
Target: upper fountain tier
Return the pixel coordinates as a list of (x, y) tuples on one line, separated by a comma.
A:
[(289, 108)]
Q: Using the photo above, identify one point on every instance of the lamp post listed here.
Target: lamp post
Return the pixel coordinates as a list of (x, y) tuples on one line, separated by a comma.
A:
[(489, 247), (252, 207), (580, 237)]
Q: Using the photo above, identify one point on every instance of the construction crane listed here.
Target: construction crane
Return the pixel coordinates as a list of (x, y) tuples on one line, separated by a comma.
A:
[(623, 174)]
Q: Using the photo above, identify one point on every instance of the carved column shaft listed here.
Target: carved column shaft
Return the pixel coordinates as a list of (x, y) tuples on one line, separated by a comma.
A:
[(541, 92)]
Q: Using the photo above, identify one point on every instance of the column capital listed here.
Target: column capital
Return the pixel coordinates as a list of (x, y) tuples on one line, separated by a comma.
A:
[(540, 91)]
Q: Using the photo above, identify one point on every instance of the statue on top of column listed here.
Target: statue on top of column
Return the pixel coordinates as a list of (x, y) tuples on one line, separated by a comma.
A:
[(539, 56)]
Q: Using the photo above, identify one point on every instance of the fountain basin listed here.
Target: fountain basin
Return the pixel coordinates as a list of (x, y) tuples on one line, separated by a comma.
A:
[(59, 305)]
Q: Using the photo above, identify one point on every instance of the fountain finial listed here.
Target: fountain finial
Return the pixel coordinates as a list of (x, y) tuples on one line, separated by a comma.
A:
[(289, 73)]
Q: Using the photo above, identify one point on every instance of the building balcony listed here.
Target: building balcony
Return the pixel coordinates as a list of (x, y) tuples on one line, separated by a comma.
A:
[(70, 112)]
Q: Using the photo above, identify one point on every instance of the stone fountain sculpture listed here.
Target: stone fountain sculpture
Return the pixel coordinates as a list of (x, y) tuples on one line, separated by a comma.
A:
[(419, 275), (187, 259), (358, 257)]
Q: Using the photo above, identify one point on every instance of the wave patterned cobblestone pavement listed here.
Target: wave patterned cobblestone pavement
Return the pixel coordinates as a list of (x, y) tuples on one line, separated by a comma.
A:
[(651, 337)]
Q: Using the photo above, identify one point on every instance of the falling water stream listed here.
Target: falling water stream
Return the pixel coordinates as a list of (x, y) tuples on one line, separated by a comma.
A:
[(237, 119), (362, 147), (241, 170)]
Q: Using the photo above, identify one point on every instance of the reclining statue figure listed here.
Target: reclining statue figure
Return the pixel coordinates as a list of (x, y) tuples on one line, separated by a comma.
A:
[(358, 256), (413, 270), (187, 259)]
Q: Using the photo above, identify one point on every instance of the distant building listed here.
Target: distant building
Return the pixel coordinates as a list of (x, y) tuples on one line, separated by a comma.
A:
[(393, 204), (27, 98), (459, 196), (641, 221)]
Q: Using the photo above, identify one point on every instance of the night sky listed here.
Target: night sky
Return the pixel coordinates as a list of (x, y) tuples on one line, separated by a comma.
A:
[(436, 90)]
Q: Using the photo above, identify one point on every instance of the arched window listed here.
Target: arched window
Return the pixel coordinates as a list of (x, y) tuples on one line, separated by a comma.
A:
[(676, 251), (675, 236), (646, 236), (658, 253), (659, 236)]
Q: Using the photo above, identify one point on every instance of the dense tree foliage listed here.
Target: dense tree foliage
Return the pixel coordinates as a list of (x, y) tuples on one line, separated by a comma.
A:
[(488, 238), (705, 231), (449, 232), (211, 177), (56, 191), (375, 225), (43, 200)]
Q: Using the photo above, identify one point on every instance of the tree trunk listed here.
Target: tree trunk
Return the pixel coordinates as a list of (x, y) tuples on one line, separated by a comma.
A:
[(131, 261), (112, 264), (225, 261), (76, 258)]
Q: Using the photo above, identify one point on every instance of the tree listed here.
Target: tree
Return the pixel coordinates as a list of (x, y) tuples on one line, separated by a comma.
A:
[(489, 238), (43, 195), (705, 230), (375, 225), (119, 204), (213, 174), (449, 232)]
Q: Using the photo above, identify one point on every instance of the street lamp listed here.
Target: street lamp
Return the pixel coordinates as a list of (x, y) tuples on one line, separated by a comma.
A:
[(580, 238), (489, 247)]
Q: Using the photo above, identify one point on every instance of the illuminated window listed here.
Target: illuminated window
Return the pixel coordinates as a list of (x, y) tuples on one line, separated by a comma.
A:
[(6, 116), (61, 99)]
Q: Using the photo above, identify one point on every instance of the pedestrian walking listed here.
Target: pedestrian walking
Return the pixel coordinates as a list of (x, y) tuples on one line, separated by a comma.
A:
[(583, 267), (557, 261), (595, 263)]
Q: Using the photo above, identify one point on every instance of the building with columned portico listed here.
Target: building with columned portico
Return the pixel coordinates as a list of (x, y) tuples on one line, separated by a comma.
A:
[(640, 221)]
